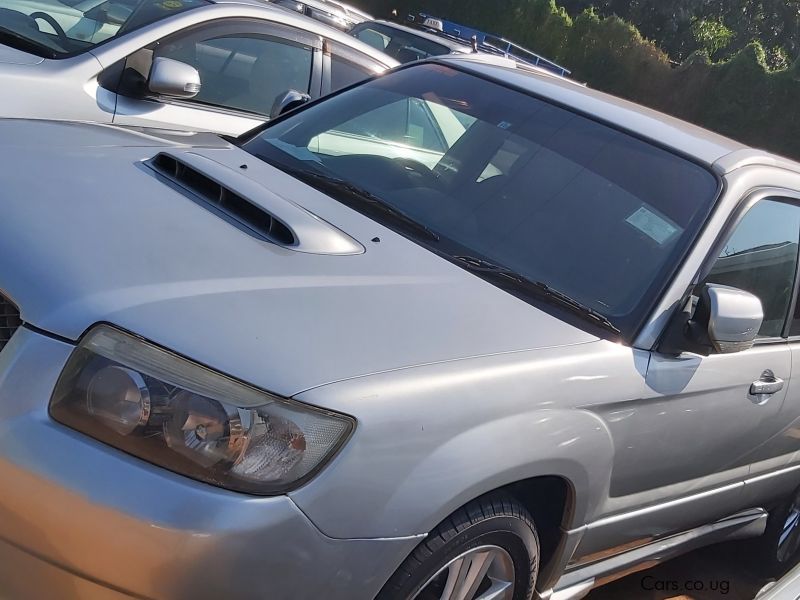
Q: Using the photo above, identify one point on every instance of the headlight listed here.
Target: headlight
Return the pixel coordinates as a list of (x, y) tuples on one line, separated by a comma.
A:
[(174, 413)]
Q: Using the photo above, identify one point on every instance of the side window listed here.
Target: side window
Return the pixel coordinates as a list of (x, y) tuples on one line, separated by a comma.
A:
[(345, 73), (376, 39), (243, 72), (761, 257)]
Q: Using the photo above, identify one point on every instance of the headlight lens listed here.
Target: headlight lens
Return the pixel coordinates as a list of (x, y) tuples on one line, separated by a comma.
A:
[(165, 409)]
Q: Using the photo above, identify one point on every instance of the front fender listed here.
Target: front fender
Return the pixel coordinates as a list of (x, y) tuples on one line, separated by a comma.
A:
[(432, 438)]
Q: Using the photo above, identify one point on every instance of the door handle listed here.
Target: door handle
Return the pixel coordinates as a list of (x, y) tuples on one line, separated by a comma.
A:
[(767, 385)]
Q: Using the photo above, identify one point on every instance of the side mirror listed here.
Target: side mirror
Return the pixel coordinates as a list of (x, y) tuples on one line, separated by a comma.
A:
[(734, 317), (288, 101), (725, 320), (173, 78)]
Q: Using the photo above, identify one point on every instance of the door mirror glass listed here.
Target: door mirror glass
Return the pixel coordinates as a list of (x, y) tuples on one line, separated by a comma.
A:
[(288, 101), (731, 318), (173, 78)]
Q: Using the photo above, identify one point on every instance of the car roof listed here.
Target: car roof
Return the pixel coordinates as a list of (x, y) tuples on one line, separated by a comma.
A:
[(281, 15), (448, 42), (704, 146)]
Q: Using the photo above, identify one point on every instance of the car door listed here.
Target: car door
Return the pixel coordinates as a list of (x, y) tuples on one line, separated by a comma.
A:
[(683, 451), (775, 468), (244, 67)]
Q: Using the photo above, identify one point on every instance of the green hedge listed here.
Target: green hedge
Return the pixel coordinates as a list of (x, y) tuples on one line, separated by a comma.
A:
[(739, 98)]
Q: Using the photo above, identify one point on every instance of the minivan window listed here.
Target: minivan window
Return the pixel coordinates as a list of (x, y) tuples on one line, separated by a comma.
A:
[(55, 29), (528, 192)]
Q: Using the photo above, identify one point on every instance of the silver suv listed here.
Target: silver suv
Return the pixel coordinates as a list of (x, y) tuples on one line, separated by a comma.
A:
[(462, 331)]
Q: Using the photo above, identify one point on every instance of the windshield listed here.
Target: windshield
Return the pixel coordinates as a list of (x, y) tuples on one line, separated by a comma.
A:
[(509, 185), (61, 28)]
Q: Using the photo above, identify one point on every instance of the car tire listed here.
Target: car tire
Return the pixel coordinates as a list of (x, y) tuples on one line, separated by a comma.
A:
[(493, 535), (779, 547)]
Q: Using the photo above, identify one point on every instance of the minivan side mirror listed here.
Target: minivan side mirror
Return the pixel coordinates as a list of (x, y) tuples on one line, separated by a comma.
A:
[(725, 320), (173, 78), (288, 101)]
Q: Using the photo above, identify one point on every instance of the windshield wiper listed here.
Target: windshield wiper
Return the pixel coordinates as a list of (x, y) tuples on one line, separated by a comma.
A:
[(20, 42), (516, 281), (361, 200)]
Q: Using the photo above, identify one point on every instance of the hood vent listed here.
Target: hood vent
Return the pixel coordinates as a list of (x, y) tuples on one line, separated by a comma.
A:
[(244, 212), (250, 206)]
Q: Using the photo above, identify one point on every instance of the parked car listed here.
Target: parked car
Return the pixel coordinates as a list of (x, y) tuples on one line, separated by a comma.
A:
[(266, 369), (337, 15), (485, 42), (406, 44), (179, 64)]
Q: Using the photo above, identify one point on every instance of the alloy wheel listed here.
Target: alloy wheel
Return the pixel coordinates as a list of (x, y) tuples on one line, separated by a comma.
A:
[(483, 573)]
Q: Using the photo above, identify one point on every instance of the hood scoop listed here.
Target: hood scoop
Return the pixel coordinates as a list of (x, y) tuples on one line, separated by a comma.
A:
[(251, 207)]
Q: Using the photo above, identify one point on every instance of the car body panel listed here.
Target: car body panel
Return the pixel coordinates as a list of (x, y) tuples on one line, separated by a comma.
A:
[(455, 447), (172, 537), (403, 288), (13, 56)]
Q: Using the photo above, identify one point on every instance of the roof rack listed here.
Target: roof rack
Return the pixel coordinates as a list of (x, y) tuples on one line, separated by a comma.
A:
[(483, 42)]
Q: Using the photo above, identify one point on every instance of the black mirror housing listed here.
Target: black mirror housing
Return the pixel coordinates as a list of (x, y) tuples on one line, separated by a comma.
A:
[(288, 101)]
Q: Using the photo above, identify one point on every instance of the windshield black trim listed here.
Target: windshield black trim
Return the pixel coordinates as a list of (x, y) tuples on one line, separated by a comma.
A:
[(19, 42)]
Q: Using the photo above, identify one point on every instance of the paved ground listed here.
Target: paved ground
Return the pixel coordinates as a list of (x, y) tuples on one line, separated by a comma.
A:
[(713, 573)]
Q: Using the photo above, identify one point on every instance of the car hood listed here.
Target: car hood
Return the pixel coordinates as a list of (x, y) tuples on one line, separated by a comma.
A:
[(90, 234), (12, 56)]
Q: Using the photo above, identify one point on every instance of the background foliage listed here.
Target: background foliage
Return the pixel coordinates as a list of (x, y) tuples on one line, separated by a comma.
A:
[(728, 65)]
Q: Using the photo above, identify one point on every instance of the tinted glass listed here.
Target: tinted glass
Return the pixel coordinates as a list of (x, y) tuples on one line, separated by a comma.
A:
[(528, 186), (400, 45), (760, 257), (345, 73), (57, 29), (243, 72), (405, 122)]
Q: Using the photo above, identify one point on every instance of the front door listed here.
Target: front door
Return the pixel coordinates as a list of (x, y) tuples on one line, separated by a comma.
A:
[(684, 450), (244, 68)]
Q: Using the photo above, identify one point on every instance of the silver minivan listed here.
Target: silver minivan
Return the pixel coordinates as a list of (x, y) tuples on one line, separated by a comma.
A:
[(224, 65)]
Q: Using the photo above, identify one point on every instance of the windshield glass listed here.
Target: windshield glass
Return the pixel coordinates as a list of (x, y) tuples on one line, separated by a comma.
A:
[(508, 183), (61, 28)]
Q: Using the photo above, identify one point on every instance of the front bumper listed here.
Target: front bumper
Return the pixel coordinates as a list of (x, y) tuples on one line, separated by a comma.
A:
[(81, 520)]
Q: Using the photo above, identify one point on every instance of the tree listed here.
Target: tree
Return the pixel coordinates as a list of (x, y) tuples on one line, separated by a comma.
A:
[(711, 36)]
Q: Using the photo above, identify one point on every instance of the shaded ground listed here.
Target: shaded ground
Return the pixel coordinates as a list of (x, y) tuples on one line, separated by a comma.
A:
[(721, 571)]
